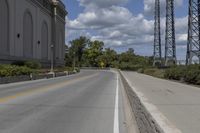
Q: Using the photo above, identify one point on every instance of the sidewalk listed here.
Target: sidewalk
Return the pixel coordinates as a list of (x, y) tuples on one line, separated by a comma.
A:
[(179, 103)]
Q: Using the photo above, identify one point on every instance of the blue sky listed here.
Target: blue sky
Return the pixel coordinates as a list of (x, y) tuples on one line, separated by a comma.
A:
[(123, 23)]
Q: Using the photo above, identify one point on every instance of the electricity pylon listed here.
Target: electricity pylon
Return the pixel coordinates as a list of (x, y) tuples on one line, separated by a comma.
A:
[(157, 36), (193, 44), (170, 44)]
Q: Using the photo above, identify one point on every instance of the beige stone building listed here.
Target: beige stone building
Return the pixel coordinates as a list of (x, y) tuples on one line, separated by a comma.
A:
[(32, 30)]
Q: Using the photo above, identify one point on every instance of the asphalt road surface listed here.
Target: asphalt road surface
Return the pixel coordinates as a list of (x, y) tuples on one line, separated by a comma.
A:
[(178, 102), (88, 102)]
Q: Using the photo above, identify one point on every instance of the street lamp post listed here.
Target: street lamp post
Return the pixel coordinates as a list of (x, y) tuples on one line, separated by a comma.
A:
[(74, 62), (52, 60), (55, 4)]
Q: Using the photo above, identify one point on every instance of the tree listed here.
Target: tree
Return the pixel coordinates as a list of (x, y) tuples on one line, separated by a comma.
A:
[(108, 57), (131, 51), (94, 50), (68, 57), (92, 54), (77, 49)]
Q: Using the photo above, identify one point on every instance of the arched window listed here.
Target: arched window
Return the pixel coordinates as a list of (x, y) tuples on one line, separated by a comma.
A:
[(4, 27), (44, 40), (28, 35)]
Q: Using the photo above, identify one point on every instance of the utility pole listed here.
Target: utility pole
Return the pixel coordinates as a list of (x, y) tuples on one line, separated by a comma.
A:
[(193, 44), (157, 36), (170, 44)]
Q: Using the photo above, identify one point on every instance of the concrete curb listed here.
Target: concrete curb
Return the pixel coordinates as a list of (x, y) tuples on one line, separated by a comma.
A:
[(148, 117), (130, 120)]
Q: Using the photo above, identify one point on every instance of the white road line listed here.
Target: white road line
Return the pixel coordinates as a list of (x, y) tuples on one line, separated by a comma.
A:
[(116, 115)]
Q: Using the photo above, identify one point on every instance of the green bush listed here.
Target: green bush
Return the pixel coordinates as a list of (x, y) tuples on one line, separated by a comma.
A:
[(12, 70), (159, 73), (19, 63), (150, 71), (198, 80), (129, 66), (192, 74), (141, 70), (175, 73), (189, 74), (33, 64), (30, 64), (77, 69), (69, 69)]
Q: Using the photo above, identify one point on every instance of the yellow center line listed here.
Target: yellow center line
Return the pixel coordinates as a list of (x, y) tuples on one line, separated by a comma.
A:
[(44, 88)]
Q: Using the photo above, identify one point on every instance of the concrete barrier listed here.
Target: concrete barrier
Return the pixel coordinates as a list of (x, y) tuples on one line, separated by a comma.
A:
[(130, 121), (13, 79), (39, 76), (6, 80), (149, 120), (95, 68), (60, 74)]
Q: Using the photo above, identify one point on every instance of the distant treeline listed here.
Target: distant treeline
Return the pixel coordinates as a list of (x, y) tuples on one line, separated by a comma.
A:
[(86, 53)]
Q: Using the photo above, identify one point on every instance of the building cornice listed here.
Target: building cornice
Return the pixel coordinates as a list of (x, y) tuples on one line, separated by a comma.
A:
[(49, 5), (61, 8)]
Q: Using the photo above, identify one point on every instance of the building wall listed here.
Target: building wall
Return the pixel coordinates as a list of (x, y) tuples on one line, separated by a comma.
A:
[(60, 37), (22, 44)]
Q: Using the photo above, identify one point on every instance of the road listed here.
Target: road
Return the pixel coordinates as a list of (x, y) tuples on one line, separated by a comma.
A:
[(178, 102), (88, 102)]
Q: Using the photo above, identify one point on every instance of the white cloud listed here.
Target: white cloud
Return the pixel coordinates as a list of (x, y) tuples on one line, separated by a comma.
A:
[(102, 18), (150, 4), (101, 3), (181, 38), (181, 25), (118, 27), (179, 2)]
